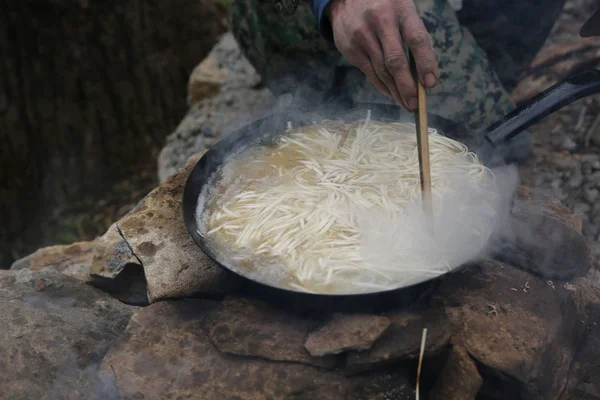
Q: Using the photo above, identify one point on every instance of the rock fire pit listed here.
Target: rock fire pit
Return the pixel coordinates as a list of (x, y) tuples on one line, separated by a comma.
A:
[(142, 313), (494, 330)]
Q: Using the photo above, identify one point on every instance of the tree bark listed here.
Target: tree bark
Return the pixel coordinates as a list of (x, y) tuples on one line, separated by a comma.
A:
[(88, 91)]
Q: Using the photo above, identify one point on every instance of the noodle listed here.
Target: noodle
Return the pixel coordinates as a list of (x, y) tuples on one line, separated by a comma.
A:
[(326, 197)]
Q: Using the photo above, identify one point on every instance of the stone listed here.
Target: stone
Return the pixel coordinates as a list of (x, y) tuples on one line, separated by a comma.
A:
[(165, 354), (54, 332), (582, 209), (587, 169), (584, 377), (528, 200), (206, 80), (576, 180), (174, 266), (224, 94), (593, 159), (129, 286), (595, 178), (101, 262), (543, 237), (590, 194), (346, 332), (21, 263), (459, 379), (116, 270), (519, 326), (74, 260), (402, 340), (111, 254), (566, 163), (253, 328), (569, 144), (194, 158), (556, 183)]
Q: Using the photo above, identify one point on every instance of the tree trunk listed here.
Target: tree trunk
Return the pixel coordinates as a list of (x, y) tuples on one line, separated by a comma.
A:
[(88, 91)]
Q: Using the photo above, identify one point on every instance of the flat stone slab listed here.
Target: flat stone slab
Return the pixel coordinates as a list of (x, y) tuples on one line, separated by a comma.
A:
[(54, 332), (74, 260), (402, 340), (252, 328), (346, 332)]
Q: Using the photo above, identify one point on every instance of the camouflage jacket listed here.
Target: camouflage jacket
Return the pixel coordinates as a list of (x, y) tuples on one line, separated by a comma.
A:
[(318, 8)]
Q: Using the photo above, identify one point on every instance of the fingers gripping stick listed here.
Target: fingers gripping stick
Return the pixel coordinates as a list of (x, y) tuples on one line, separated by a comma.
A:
[(373, 35)]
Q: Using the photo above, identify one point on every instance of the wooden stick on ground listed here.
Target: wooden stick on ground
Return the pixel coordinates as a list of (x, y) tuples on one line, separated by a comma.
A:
[(423, 147), (422, 352)]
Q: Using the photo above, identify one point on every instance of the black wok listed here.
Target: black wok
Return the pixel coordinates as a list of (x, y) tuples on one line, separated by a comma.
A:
[(265, 130)]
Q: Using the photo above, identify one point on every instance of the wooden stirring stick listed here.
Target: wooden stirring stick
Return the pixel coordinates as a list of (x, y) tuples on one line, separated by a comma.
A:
[(423, 148), (422, 141)]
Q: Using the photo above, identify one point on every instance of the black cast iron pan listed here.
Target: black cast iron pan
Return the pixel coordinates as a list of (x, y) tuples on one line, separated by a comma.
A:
[(265, 130)]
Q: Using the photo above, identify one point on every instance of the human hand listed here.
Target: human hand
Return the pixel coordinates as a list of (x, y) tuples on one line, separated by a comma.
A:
[(370, 35)]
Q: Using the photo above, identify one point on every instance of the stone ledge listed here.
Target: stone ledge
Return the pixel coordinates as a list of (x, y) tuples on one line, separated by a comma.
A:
[(224, 93)]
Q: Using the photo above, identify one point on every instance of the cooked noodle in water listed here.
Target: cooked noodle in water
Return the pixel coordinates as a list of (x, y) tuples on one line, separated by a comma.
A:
[(336, 207)]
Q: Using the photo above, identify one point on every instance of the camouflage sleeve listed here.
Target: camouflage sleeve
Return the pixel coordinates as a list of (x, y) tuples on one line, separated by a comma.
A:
[(318, 8)]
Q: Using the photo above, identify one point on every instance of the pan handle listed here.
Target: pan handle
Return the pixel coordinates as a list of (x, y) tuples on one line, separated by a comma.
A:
[(558, 96), (592, 26)]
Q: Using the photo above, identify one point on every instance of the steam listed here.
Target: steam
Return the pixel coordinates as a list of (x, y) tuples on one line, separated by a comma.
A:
[(60, 330), (460, 231)]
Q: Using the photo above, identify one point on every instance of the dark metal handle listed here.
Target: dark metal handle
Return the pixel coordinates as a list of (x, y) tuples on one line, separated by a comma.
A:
[(592, 26), (546, 103)]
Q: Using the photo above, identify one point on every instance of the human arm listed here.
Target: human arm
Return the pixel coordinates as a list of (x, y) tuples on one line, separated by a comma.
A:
[(371, 34)]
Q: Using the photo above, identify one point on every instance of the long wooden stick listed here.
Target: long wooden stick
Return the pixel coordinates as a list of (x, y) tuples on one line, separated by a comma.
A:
[(421, 353), (423, 148)]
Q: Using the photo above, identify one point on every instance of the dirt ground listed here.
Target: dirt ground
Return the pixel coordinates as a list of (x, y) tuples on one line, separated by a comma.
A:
[(566, 163)]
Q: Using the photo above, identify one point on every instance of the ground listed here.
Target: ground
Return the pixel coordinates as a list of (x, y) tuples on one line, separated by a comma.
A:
[(566, 163)]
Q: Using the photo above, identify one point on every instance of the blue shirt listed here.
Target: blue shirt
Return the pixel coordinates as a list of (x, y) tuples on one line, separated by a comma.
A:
[(318, 8)]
